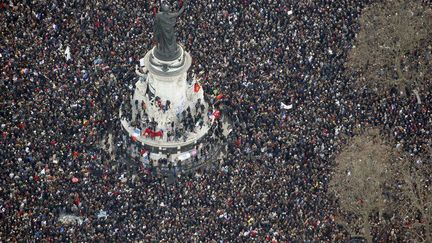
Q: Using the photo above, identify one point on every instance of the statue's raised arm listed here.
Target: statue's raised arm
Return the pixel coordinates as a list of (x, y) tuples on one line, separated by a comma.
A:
[(164, 32)]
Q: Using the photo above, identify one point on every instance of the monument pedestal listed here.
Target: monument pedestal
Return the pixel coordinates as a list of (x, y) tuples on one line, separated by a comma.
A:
[(173, 115)]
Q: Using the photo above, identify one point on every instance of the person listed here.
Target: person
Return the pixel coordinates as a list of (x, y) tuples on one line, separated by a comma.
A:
[(165, 34)]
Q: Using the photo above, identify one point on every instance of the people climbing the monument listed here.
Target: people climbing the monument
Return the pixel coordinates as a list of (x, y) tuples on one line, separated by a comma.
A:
[(191, 121), (167, 105)]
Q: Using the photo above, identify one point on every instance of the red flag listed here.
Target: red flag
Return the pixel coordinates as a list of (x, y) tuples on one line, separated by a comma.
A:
[(159, 133), (147, 132), (219, 97), (216, 114), (197, 87), (156, 134)]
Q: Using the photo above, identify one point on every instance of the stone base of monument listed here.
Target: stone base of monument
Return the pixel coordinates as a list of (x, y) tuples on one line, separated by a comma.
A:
[(168, 119)]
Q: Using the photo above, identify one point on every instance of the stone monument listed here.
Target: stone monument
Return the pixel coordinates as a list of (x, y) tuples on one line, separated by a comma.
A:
[(169, 119)]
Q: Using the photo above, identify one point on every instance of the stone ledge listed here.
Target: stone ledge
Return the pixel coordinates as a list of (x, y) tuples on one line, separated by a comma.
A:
[(185, 61)]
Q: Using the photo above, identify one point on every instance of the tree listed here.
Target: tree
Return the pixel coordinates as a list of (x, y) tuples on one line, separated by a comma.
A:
[(360, 174), (413, 196), (381, 189), (390, 48)]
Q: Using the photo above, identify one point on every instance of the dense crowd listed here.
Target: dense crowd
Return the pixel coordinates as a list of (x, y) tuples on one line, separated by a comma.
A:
[(68, 65)]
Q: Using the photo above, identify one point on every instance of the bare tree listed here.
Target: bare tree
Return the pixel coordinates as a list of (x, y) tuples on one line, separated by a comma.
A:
[(382, 189), (360, 174), (413, 196), (389, 49)]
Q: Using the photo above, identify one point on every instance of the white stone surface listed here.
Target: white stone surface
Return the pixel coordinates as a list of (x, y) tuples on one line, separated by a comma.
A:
[(171, 84)]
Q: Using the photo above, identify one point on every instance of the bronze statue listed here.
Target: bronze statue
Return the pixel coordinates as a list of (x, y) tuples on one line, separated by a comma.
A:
[(164, 32)]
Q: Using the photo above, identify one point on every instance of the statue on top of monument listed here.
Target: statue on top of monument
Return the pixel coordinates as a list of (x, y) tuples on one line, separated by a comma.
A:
[(164, 32)]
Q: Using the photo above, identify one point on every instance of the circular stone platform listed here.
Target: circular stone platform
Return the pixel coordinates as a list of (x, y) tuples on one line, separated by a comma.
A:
[(168, 118)]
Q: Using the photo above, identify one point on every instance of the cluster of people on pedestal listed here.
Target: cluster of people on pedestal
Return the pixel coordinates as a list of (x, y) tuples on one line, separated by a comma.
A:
[(187, 122)]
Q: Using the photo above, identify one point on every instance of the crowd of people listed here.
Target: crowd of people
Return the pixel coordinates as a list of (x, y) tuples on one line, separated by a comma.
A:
[(177, 128), (68, 65)]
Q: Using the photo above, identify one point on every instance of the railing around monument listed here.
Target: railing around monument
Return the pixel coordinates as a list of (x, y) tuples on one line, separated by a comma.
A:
[(209, 159), (191, 164)]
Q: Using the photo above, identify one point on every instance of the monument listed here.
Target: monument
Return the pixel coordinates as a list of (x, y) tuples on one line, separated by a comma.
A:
[(168, 118), (164, 32)]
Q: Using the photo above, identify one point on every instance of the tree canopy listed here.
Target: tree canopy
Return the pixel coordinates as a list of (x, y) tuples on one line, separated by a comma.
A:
[(393, 45)]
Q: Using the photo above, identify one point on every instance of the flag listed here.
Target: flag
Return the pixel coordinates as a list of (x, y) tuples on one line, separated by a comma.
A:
[(156, 134), (136, 134), (216, 114), (197, 88), (146, 156), (219, 97), (147, 132), (286, 107)]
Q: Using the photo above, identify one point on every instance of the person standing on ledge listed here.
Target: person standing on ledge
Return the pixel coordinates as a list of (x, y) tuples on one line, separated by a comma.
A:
[(164, 32)]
